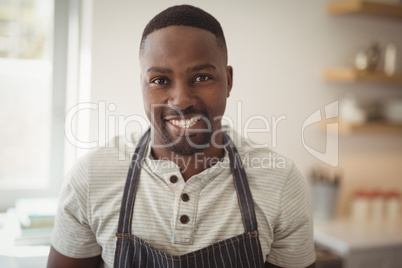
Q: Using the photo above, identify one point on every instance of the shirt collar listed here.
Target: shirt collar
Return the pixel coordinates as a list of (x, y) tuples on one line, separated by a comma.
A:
[(166, 168)]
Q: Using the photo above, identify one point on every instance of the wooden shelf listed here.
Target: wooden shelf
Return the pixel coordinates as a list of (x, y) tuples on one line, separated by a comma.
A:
[(366, 8), (350, 75), (366, 127), (371, 127)]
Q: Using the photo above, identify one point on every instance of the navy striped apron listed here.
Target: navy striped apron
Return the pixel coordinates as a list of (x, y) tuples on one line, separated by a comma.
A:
[(240, 251)]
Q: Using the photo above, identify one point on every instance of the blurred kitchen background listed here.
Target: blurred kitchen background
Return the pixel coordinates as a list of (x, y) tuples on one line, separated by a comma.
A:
[(329, 72)]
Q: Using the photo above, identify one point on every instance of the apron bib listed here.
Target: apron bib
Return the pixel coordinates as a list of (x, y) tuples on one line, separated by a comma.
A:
[(239, 251)]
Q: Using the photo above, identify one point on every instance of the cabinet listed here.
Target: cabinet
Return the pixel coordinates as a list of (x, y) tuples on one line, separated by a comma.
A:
[(375, 258), (362, 244)]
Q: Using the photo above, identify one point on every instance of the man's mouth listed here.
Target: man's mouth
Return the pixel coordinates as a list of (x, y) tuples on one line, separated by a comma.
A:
[(185, 123)]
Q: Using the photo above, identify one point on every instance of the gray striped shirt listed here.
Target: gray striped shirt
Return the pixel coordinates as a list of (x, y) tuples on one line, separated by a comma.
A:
[(89, 205)]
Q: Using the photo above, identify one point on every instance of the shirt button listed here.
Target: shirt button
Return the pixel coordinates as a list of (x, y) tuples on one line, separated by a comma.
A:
[(184, 219), (173, 179), (185, 197)]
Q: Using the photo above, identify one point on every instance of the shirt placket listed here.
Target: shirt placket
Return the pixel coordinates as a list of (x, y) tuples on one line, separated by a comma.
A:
[(186, 197)]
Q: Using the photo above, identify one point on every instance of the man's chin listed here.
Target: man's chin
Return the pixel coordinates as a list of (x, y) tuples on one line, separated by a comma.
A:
[(186, 145), (184, 150)]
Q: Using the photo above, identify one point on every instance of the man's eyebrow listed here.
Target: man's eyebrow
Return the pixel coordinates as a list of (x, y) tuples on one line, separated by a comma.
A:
[(159, 70), (201, 67)]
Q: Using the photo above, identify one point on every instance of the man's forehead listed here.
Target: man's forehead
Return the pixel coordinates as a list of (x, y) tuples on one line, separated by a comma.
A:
[(189, 69), (177, 41), (178, 31)]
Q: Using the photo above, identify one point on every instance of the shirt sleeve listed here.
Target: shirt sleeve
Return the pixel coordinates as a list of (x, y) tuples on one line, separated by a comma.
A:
[(293, 244), (72, 235)]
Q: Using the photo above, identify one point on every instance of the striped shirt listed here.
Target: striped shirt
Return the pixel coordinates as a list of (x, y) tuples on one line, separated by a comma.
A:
[(89, 205)]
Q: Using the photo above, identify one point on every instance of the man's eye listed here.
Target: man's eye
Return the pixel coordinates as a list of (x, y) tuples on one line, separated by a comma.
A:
[(159, 81), (202, 78)]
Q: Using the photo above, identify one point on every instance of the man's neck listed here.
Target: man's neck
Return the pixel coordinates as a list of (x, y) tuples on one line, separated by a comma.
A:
[(193, 164)]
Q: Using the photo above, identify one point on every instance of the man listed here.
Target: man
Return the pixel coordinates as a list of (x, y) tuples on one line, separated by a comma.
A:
[(189, 199)]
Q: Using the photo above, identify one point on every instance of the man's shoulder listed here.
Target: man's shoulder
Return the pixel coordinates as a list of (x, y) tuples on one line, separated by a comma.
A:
[(264, 160), (119, 148), (107, 160), (269, 173)]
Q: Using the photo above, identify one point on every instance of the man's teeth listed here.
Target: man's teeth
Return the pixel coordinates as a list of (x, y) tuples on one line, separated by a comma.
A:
[(185, 123)]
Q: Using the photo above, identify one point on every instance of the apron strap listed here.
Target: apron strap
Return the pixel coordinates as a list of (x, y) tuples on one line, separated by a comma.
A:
[(130, 189), (244, 196)]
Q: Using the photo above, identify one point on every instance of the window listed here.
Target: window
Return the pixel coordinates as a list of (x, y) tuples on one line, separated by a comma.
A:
[(25, 92), (33, 79)]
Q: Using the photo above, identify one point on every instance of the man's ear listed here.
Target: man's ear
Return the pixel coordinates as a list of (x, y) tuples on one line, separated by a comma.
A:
[(229, 78)]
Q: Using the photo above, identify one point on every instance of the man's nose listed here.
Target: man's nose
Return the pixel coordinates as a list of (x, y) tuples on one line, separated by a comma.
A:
[(182, 96)]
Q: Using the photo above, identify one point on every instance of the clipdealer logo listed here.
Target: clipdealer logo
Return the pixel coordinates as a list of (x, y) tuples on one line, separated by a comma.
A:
[(110, 126)]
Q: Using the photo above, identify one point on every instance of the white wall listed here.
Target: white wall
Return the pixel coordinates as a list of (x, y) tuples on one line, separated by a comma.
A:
[(278, 50)]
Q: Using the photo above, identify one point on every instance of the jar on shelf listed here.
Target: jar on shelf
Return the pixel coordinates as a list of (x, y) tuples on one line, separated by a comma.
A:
[(360, 205), (377, 205), (392, 205)]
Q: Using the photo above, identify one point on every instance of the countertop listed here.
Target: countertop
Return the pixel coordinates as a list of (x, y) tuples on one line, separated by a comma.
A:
[(346, 235)]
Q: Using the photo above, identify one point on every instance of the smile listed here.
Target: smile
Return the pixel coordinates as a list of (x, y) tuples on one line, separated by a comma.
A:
[(185, 123)]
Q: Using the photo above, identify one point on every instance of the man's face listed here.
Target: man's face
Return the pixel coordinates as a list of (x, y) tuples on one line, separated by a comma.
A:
[(185, 82)]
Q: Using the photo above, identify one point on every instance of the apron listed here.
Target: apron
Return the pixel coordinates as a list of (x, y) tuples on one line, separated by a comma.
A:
[(240, 251)]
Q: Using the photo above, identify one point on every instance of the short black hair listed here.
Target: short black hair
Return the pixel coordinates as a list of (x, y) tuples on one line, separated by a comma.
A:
[(185, 15)]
